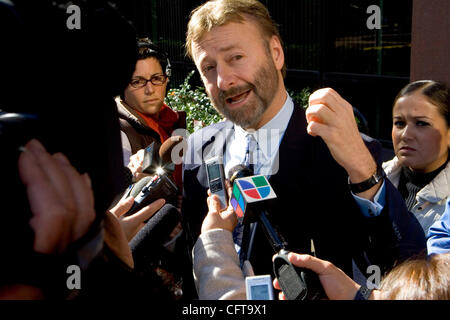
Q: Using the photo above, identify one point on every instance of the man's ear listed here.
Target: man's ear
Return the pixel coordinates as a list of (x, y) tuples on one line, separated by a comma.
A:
[(276, 49)]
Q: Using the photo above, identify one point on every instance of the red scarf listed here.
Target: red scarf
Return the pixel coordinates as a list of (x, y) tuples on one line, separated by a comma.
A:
[(164, 126), (165, 123)]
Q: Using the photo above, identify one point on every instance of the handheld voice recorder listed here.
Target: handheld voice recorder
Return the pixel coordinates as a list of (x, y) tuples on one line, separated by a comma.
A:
[(216, 180), (259, 287)]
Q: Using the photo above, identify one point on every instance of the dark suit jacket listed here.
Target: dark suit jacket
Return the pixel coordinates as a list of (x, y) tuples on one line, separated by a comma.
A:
[(313, 202)]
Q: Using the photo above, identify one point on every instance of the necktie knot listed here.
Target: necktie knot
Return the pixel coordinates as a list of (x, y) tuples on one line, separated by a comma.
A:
[(249, 160)]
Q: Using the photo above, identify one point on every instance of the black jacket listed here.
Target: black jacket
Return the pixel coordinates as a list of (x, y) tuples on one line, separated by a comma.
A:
[(313, 203)]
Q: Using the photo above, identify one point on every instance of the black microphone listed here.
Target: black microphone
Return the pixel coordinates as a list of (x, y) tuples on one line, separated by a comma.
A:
[(138, 186), (249, 197), (239, 171), (151, 160), (174, 144), (158, 155), (148, 242), (128, 176), (160, 184)]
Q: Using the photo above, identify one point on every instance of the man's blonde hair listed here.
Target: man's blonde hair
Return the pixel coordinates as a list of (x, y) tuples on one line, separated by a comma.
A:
[(216, 13)]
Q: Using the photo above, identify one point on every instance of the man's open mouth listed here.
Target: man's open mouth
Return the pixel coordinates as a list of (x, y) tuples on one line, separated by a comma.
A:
[(237, 98)]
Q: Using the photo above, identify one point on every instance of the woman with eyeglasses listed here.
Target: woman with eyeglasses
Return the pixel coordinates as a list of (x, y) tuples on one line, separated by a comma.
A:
[(144, 117)]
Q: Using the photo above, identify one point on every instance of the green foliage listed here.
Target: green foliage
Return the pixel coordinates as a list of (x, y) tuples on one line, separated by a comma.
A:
[(196, 104), (300, 98), (198, 107)]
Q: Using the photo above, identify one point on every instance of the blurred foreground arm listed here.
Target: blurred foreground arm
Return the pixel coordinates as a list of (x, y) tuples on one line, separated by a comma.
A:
[(61, 199), (217, 271), (62, 207)]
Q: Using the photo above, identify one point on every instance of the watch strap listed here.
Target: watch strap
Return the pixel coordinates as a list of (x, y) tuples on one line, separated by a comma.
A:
[(363, 293), (369, 183)]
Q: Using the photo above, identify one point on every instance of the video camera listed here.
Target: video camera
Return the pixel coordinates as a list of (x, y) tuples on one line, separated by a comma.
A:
[(160, 184), (16, 129), (16, 234)]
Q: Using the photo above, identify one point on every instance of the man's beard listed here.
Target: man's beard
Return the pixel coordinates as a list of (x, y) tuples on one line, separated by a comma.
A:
[(264, 88)]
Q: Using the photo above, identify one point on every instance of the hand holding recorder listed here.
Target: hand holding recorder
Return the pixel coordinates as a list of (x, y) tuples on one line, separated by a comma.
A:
[(250, 195), (217, 218), (337, 285), (216, 180)]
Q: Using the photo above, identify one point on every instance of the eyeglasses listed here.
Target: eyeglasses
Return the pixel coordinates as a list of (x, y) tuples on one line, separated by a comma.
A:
[(157, 80)]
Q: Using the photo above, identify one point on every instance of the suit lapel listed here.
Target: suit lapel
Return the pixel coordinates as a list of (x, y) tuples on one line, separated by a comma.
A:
[(295, 148), (215, 144), (215, 139)]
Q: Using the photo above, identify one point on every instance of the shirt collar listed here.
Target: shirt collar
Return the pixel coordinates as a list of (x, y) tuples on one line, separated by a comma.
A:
[(272, 132)]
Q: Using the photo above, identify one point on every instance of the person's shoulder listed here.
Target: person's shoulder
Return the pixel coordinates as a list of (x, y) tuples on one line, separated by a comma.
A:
[(122, 111), (391, 165)]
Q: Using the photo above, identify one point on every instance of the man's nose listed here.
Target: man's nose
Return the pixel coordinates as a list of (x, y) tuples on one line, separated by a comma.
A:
[(225, 77)]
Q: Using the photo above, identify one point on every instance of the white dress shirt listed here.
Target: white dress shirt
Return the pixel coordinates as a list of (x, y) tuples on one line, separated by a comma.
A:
[(268, 138)]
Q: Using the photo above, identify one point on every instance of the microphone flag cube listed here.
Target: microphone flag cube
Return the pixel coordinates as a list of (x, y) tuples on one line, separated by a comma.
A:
[(248, 193)]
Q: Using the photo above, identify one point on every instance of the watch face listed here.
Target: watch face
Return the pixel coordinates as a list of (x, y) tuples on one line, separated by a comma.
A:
[(363, 293), (369, 183)]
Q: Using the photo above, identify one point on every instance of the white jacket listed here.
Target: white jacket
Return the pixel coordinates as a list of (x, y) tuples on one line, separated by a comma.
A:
[(430, 200)]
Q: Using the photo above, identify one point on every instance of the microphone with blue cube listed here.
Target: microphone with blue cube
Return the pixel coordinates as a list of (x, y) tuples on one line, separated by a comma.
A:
[(251, 195)]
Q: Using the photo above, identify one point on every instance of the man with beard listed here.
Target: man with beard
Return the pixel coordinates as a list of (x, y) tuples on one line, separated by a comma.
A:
[(238, 51)]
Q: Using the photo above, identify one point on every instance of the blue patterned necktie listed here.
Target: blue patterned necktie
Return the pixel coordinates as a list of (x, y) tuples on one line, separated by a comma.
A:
[(249, 159), (249, 162)]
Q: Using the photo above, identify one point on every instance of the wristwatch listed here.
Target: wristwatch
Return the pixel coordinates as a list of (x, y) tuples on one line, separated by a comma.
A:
[(363, 293), (367, 184)]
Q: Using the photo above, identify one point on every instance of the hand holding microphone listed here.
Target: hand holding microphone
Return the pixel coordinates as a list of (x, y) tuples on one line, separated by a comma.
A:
[(146, 161), (135, 165), (157, 161), (131, 224), (250, 195), (337, 285), (146, 216)]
